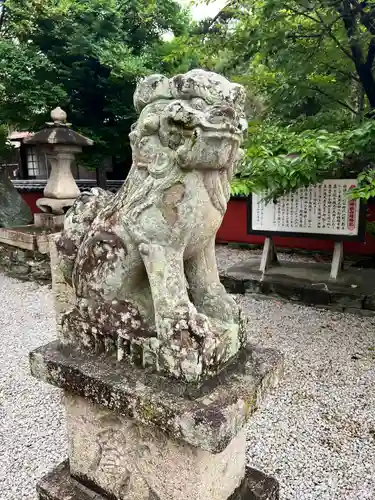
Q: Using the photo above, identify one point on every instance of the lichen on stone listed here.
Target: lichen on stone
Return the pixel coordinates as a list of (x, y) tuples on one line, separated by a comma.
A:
[(141, 264)]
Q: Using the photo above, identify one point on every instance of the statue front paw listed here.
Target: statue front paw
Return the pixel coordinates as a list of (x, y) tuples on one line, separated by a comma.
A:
[(187, 322), (217, 303)]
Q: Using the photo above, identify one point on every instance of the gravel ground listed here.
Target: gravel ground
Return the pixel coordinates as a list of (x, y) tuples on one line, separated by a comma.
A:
[(228, 256), (32, 437), (315, 432)]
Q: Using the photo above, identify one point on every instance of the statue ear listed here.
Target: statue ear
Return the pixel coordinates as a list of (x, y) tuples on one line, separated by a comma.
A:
[(151, 89)]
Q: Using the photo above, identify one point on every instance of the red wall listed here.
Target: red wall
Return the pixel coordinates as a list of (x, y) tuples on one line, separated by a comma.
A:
[(31, 198), (233, 229)]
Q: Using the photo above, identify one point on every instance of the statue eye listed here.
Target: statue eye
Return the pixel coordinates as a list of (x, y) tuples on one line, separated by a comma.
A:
[(179, 123)]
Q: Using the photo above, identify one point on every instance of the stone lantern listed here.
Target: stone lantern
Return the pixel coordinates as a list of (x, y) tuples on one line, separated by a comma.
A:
[(61, 144)]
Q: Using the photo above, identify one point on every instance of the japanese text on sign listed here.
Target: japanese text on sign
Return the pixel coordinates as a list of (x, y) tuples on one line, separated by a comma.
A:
[(320, 209)]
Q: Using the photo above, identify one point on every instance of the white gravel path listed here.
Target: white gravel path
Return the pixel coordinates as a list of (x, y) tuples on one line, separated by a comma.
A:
[(32, 437), (315, 433), (228, 256)]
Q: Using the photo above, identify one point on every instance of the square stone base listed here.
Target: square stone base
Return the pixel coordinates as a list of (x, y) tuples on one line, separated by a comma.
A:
[(49, 221), (59, 485), (126, 459), (136, 435)]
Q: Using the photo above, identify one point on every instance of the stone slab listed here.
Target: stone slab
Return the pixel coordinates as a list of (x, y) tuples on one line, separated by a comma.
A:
[(304, 282), (208, 417), (59, 485), (31, 237), (18, 237)]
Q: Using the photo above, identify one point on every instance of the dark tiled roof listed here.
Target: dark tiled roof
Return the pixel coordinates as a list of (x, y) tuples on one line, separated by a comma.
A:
[(36, 185), (59, 135)]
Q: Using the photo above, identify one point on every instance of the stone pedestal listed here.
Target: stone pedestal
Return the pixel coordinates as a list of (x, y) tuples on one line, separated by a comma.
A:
[(138, 435), (51, 222)]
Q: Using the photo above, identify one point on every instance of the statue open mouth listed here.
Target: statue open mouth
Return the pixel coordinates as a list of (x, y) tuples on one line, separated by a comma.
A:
[(211, 132), (208, 147)]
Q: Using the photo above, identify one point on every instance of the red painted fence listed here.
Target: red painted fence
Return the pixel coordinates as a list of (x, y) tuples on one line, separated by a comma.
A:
[(233, 229)]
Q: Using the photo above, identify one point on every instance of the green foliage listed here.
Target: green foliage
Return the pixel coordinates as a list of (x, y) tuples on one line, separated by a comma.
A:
[(6, 149), (300, 57), (85, 56), (27, 88), (366, 186), (279, 160), (309, 70)]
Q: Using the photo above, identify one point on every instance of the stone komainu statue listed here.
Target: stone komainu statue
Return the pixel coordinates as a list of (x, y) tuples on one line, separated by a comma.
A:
[(142, 263)]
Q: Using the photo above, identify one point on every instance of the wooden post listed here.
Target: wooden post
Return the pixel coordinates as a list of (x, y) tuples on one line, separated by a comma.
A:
[(269, 255), (101, 177), (337, 259)]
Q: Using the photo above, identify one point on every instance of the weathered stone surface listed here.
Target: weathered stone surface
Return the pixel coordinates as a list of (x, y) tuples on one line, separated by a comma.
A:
[(58, 132), (208, 417), (142, 263), (127, 459), (56, 206), (257, 486), (42, 242), (24, 264), (20, 237), (59, 485), (14, 211), (49, 221), (347, 299), (369, 302), (26, 237), (62, 292)]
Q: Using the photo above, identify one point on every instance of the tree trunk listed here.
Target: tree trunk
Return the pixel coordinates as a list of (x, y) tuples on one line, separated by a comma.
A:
[(368, 82), (350, 19)]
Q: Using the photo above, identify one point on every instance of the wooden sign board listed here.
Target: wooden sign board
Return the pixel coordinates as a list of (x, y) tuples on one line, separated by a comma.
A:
[(322, 211)]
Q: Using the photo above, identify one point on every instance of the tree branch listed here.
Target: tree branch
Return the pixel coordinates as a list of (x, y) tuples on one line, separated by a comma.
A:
[(295, 36), (207, 24), (327, 28), (330, 33), (344, 73), (367, 18), (302, 13), (349, 23), (2, 14), (371, 53), (342, 103)]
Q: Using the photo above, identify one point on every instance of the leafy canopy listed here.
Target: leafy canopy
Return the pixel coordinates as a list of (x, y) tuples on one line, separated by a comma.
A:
[(85, 56), (308, 66)]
